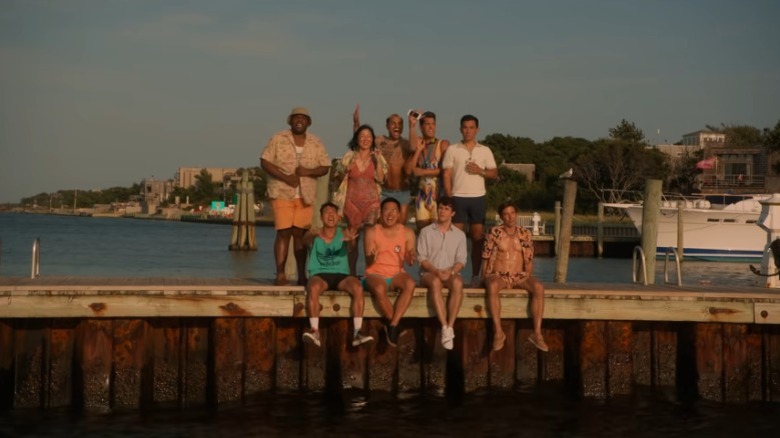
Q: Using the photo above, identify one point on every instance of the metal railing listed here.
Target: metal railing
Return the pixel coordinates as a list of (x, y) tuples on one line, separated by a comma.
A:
[(677, 262), (638, 250), (36, 258)]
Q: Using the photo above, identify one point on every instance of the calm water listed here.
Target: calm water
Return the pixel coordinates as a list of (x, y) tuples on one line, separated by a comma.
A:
[(126, 247), (110, 247)]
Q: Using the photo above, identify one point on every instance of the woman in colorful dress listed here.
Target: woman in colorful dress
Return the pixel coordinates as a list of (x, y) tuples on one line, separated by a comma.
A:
[(362, 171)]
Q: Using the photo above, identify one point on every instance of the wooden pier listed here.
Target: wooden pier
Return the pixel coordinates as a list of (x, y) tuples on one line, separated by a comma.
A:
[(104, 343)]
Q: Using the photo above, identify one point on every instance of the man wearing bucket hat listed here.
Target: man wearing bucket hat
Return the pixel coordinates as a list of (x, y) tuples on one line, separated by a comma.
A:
[(293, 160)]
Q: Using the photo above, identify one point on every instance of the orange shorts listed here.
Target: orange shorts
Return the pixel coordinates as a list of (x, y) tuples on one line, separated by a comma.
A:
[(290, 213)]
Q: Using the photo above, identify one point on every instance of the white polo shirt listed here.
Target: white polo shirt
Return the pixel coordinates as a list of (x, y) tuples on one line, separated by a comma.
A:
[(464, 184)]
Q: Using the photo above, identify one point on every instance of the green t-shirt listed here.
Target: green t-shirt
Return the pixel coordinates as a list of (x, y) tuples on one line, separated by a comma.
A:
[(328, 258)]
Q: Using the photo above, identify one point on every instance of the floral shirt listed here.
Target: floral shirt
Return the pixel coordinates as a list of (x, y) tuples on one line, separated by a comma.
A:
[(498, 239), (280, 151)]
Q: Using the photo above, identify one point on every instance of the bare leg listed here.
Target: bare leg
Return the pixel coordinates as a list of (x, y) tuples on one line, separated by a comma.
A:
[(352, 255), (493, 285), (281, 244), (314, 288), (378, 288), (300, 254), (406, 285), (352, 286), (455, 299), (536, 290), (433, 284)]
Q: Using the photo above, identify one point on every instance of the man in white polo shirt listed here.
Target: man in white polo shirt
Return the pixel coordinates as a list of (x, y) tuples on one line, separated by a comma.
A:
[(466, 166)]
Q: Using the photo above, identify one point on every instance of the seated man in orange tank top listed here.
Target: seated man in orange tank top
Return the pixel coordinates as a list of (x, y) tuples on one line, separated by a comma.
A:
[(387, 245)]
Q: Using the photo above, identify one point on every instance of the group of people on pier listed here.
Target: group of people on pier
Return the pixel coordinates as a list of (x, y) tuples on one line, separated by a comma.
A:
[(377, 180)]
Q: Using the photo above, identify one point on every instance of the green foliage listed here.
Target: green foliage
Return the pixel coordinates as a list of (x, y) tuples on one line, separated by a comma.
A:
[(739, 136), (627, 132)]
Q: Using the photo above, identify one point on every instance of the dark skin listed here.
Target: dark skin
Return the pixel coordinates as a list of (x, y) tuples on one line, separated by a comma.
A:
[(298, 125)]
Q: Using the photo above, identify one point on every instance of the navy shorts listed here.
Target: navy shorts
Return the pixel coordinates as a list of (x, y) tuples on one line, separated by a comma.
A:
[(469, 210)]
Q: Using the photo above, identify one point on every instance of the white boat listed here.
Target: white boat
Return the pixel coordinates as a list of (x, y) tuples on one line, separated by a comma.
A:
[(715, 227)]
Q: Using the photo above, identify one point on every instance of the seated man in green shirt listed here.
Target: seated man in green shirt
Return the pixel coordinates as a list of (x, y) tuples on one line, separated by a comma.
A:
[(328, 269)]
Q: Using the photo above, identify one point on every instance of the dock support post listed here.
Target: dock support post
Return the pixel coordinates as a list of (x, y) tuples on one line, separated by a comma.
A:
[(652, 207), (600, 231), (562, 257), (680, 234)]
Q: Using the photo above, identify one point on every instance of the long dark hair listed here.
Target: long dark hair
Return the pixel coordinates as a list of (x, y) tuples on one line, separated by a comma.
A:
[(353, 144)]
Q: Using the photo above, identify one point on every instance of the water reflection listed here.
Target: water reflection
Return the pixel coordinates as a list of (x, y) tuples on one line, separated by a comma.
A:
[(543, 412)]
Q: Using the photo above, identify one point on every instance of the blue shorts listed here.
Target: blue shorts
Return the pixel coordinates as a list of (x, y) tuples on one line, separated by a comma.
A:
[(471, 210), (404, 197), (387, 281)]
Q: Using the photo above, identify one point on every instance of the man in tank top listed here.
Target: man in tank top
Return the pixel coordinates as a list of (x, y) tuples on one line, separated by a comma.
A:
[(387, 246), (425, 164), (328, 269)]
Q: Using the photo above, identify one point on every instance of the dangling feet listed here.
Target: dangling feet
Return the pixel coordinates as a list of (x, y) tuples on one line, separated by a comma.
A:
[(498, 341), (281, 279), (312, 337), (538, 341), (447, 337), (360, 339)]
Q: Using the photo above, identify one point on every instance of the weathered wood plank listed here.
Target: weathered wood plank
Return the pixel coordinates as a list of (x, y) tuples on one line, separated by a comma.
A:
[(620, 341), (527, 365), (642, 353), (94, 359), (598, 303), (130, 356), (593, 359), (63, 339), (767, 313), (382, 360), (552, 362), (755, 382), (409, 356), (352, 360), (228, 359), (709, 360), (196, 371), (168, 359), (772, 342), (434, 358), (475, 349), (664, 355), (260, 355), (288, 355), (31, 343), (7, 354), (735, 363)]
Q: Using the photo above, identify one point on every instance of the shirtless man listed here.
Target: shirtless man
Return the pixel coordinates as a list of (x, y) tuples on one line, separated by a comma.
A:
[(387, 246), (396, 151), (425, 164), (507, 263)]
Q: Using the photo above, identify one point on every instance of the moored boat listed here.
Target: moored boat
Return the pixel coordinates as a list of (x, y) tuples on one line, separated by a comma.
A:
[(719, 227)]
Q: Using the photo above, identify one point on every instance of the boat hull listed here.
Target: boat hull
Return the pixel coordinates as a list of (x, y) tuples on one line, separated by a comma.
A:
[(708, 234)]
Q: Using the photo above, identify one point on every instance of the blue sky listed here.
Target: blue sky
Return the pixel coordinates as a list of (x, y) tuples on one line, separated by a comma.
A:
[(98, 94)]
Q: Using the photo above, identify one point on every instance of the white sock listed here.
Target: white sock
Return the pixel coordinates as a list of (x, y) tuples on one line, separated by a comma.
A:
[(315, 323), (357, 323)]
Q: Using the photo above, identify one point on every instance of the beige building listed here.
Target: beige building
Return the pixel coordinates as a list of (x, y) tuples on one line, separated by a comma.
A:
[(185, 176), (703, 138)]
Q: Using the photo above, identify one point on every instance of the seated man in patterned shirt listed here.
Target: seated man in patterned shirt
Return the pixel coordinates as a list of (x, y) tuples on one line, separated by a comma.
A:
[(507, 263)]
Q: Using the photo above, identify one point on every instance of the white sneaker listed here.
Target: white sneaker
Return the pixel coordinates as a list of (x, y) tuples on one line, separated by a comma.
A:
[(447, 336), (312, 337), (361, 339)]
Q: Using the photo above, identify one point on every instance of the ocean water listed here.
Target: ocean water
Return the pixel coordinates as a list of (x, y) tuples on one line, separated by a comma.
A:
[(120, 247)]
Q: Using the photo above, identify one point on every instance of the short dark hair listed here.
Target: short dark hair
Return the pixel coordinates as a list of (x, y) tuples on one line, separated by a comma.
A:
[(387, 200), (504, 205), (468, 117), (445, 200), (353, 144), (387, 120), (427, 115), (326, 205)]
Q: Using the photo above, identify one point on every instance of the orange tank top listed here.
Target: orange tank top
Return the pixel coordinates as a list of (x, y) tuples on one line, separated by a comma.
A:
[(390, 252)]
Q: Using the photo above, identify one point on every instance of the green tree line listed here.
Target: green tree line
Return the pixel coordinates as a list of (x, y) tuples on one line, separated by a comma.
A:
[(621, 160)]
